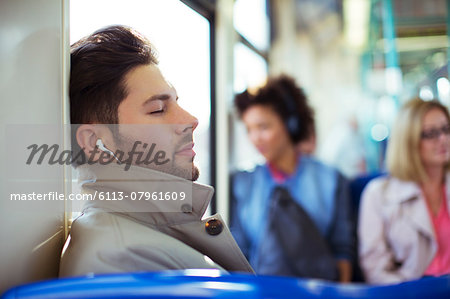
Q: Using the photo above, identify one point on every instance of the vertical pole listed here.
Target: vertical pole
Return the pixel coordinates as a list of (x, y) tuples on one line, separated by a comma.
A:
[(393, 72), (225, 41), (389, 34), (448, 39)]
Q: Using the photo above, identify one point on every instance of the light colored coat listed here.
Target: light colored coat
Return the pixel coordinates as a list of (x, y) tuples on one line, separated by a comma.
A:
[(130, 236), (396, 235)]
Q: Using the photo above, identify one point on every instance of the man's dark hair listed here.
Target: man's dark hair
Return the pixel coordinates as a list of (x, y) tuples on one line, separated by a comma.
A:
[(286, 99), (98, 66)]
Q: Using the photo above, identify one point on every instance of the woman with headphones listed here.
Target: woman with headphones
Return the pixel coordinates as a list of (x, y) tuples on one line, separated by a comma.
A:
[(290, 216)]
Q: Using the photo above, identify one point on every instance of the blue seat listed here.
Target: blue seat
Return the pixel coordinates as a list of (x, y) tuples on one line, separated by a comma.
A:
[(357, 186), (213, 284)]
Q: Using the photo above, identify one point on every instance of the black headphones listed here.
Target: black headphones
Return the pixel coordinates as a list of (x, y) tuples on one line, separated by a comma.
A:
[(292, 121)]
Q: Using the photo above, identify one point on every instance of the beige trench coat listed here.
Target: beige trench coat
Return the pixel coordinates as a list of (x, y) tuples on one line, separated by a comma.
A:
[(130, 236), (396, 235)]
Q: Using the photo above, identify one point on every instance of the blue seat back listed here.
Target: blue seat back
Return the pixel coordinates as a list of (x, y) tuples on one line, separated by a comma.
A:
[(207, 284)]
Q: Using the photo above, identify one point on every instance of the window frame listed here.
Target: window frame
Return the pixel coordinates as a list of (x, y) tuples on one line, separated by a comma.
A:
[(208, 9)]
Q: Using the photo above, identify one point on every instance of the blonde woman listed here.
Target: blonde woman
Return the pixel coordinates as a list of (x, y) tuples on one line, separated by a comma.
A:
[(404, 224)]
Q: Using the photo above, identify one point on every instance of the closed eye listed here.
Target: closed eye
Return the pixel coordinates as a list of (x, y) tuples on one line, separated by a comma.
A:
[(157, 111)]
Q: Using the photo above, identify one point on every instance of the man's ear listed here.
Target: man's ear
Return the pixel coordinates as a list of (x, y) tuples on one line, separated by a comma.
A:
[(86, 136)]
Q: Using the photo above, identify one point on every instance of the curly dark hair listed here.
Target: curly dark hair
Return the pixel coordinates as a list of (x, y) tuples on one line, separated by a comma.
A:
[(286, 99)]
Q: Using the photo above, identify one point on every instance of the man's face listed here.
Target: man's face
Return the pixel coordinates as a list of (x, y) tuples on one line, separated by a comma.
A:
[(150, 114)]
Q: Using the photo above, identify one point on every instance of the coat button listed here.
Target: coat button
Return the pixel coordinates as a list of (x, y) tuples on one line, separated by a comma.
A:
[(186, 208), (213, 227)]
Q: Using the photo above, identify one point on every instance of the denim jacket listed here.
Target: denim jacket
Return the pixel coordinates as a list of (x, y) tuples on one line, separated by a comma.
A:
[(319, 189)]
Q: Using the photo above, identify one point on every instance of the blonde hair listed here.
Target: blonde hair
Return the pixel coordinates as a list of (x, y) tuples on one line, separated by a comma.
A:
[(403, 155)]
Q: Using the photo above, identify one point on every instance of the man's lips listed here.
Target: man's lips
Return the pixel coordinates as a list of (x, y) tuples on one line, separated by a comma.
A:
[(187, 150)]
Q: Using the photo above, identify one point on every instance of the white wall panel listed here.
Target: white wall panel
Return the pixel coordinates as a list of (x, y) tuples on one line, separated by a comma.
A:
[(33, 78)]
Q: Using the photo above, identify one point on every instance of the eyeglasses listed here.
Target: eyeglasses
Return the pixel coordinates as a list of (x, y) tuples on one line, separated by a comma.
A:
[(435, 133)]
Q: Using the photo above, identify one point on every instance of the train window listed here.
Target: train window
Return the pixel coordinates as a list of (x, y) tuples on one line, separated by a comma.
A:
[(251, 21), (182, 39), (250, 69)]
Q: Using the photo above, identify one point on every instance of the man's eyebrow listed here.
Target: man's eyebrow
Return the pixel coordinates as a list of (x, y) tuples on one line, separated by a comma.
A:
[(161, 97)]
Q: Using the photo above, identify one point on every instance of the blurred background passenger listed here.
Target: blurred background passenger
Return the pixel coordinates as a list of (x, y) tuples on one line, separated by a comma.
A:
[(290, 216), (344, 149), (404, 224)]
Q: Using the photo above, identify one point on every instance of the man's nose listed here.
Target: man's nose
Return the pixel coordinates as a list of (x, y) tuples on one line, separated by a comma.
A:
[(187, 122)]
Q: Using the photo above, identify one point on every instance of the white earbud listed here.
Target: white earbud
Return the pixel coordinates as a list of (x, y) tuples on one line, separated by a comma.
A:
[(101, 146)]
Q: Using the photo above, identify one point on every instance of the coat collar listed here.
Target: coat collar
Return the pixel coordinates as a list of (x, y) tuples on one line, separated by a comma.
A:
[(410, 196), (99, 179), (400, 191)]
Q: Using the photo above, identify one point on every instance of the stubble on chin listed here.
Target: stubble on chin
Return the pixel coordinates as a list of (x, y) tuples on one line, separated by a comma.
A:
[(195, 173), (190, 172)]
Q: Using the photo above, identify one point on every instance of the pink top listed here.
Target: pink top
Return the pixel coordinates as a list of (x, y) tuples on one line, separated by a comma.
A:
[(441, 222), (278, 176)]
